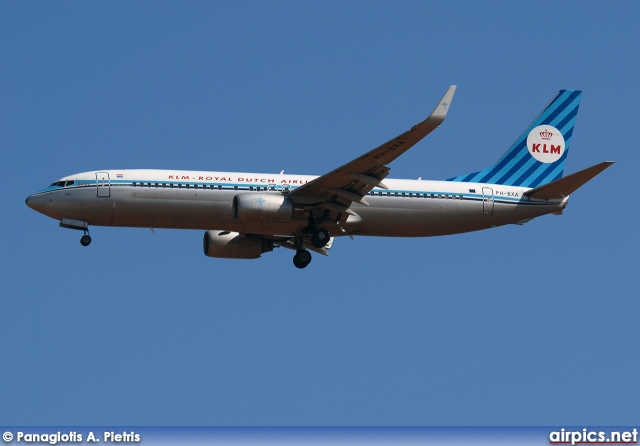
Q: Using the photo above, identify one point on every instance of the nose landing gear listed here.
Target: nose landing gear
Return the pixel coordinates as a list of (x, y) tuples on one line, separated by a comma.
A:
[(68, 223), (85, 240)]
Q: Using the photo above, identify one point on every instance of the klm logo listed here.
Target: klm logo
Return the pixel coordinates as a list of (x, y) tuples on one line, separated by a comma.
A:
[(552, 149), (545, 144)]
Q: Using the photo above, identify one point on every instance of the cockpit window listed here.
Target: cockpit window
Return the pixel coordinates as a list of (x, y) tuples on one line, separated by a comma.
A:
[(62, 183)]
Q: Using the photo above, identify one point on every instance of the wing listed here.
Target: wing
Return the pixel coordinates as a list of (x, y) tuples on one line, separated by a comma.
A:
[(331, 195)]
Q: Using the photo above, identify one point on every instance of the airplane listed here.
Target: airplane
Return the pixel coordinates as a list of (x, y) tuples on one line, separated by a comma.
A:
[(245, 215)]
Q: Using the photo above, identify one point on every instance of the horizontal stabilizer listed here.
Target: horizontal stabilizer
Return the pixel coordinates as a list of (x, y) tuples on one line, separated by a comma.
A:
[(565, 186)]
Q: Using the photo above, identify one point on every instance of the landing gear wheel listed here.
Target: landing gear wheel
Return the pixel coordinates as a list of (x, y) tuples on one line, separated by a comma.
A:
[(302, 259), (320, 238), (85, 240)]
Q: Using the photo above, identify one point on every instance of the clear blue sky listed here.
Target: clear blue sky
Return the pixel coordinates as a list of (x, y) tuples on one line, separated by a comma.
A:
[(531, 325)]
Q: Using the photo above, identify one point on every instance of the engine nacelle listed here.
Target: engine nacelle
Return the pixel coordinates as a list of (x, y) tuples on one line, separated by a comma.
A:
[(231, 245), (262, 208)]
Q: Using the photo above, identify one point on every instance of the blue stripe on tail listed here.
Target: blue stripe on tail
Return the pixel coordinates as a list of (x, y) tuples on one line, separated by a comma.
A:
[(518, 166)]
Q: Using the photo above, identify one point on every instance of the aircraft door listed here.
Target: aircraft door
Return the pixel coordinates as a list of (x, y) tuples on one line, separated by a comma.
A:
[(103, 184), (487, 200)]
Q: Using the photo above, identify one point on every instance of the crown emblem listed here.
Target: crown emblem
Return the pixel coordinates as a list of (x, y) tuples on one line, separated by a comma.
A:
[(546, 134)]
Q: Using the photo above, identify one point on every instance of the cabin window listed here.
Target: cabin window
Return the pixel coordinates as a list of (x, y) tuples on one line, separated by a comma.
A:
[(235, 187)]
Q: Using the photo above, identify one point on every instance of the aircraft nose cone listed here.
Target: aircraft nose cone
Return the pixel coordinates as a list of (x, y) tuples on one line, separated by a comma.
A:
[(36, 202)]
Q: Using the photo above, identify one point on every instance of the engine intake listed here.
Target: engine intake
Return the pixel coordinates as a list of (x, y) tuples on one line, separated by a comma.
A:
[(231, 245), (262, 208)]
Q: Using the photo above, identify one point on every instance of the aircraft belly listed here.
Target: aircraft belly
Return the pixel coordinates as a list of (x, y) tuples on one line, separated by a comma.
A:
[(441, 217), (177, 209)]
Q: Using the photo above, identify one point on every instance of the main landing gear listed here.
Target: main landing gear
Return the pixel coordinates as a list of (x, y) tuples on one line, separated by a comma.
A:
[(320, 238), (302, 258)]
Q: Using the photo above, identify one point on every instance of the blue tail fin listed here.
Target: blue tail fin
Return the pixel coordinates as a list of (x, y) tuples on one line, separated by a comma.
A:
[(537, 157)]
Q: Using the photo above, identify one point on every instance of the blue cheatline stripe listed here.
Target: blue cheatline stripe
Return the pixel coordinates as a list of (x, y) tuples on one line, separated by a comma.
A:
[(517, 167)]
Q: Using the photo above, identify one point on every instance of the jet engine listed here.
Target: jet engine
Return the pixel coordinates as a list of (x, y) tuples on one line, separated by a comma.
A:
[(231, 245), (262, 208)]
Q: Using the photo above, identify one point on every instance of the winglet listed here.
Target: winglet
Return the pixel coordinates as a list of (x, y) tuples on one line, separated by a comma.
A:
[(440, 112), (565, 186)]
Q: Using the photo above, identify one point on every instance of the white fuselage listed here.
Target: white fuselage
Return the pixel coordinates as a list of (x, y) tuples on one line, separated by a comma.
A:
[(203, 200)]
